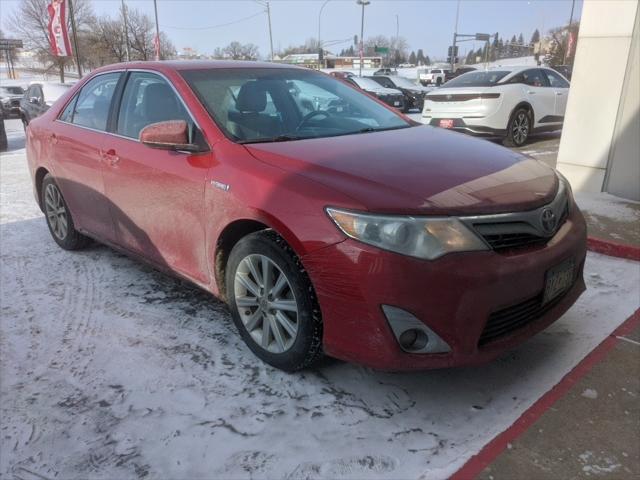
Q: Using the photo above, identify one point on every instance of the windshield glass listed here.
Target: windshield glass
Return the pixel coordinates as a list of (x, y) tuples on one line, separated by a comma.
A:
[(277, 104), (404, 82), (478, 79), (10, 90)]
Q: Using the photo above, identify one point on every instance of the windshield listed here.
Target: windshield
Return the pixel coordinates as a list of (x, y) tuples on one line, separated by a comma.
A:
[(254, 105), (404, 82), (11, 91), (478, 79)]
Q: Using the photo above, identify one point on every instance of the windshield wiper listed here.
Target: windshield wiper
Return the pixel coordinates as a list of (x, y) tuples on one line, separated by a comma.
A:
[(279, 138), (384, 129)]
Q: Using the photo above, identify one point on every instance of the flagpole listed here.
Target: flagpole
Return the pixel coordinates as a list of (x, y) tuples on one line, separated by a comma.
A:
[(75, 38), (155, 8)]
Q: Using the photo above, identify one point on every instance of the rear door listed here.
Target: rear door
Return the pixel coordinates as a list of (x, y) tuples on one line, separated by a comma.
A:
[(157, 195), (78, 139), (539, 95), (560, 89)]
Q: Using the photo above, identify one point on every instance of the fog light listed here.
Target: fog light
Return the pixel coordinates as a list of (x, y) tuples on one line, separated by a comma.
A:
[(412, 335), (413, 339)]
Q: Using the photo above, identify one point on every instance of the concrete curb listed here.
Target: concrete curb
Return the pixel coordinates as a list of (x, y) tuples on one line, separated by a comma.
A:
[(476, 464), (613, 249)]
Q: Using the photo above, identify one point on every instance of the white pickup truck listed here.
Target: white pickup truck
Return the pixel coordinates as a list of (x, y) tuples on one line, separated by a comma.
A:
[(433, 76)]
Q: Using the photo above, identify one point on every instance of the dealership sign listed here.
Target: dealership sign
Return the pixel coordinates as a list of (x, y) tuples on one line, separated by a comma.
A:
[(58, 33)]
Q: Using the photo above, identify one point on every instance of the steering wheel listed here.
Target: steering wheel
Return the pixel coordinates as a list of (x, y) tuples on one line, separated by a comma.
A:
[(311, 115)]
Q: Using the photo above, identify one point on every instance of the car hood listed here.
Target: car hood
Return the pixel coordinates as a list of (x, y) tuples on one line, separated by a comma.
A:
[(418, 170), (383, 91)]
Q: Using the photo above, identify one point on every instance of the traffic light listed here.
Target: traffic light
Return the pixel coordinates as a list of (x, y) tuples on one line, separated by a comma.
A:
[(452, 51), (455, 59)]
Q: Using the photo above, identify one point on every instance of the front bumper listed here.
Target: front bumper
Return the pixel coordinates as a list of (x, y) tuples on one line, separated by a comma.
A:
[(453, 295)]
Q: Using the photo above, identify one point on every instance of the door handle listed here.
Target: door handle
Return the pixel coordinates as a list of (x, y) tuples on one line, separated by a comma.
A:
[(53, 138), (110, 157), (559, 93), (531, 92)]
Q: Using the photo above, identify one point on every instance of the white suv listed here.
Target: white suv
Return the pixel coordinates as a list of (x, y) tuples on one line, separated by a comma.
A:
[(506, 102)]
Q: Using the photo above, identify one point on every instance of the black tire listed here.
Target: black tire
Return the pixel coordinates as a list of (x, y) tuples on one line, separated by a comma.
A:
[(517, 133), (306, 347), (438, 82), (71, 239)]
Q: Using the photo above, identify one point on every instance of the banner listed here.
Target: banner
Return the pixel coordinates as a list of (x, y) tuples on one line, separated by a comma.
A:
[(58, 33), (570, 46), (156, 47)]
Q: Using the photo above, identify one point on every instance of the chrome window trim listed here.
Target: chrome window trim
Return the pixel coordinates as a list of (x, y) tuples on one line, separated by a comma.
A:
[(126, 70)]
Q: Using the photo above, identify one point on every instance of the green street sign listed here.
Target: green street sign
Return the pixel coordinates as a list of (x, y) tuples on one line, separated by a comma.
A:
[(381, 49)]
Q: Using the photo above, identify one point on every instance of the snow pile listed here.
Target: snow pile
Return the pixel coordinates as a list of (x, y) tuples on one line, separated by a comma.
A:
[(609, 206)]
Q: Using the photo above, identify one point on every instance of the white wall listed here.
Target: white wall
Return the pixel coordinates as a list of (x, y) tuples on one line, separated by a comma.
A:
[(600, 70)]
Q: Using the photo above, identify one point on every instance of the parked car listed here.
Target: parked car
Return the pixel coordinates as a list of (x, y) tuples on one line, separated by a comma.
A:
[(413, 93), (509, 103), (433, 76), (385, 71), (339, 74), (367, 237), (38, 98), (406, 65), (565, 70), (391, 96), (10, 96), (449, 75), (4, 144)]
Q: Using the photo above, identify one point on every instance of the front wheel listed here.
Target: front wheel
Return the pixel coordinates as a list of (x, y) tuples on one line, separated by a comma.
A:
[(518, 128), (59, 218), (273, 303)]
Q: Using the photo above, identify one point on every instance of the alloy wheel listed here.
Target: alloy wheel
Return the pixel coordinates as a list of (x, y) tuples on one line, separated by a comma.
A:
[(520, 128), (56, 211), (266, 303)]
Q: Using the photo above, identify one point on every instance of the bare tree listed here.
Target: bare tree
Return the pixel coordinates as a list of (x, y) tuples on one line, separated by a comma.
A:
[(240, 51), (398, 48), (29, 22)]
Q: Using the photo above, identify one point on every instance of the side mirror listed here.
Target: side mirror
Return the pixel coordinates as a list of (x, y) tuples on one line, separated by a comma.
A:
[(34, 100), (169, 135)]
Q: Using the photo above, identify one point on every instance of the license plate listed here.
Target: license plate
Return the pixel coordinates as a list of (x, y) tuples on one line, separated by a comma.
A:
[(396, 104), (558, 280), (446, 123)]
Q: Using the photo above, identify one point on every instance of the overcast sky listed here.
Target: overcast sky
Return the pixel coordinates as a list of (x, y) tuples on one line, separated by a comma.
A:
[(426, 24)]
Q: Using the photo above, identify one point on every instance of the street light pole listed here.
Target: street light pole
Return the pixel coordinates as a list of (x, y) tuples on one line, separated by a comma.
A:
[(397, 39), (126, 32), (455, 36), (320, 41), (363, 3), (157, 42), (75, 37), (270, 34)]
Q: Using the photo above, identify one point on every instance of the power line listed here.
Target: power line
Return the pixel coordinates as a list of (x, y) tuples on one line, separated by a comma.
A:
[(220, 25)]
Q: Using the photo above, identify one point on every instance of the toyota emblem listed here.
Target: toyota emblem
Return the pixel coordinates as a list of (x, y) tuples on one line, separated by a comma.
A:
[(548, 220)]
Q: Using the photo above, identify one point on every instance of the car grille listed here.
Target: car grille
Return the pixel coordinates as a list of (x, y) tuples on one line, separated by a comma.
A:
[(507, 320), (15, 103), (506, 241)]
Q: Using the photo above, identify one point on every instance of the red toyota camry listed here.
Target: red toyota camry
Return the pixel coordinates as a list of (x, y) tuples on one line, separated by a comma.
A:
[(328, 222)]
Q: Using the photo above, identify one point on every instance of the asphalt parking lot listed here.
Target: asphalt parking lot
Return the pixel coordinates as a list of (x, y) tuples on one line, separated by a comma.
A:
[(110, 369)]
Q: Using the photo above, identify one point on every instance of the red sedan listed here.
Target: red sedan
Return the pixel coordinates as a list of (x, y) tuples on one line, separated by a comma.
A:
[(329, 222)]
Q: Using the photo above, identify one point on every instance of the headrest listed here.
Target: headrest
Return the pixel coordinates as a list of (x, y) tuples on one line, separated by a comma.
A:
[(252, 98)]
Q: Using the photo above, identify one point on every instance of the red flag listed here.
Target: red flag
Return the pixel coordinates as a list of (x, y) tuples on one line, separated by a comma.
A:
[(58, 33), (156, 46), (570, 46)]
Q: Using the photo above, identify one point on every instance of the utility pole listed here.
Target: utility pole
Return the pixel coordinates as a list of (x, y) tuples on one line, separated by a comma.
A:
[(364, 3), (320, 53), (455, 36), (75, 38), (270, 33), (566, 48), (126, 32), (157, 42), (397, 39)]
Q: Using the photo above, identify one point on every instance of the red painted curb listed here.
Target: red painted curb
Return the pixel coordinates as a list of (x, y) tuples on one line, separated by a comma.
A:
[(490, 451), (614, 249)]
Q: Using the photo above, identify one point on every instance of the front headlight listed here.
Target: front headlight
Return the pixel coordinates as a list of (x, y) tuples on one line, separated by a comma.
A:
[(427, 238)]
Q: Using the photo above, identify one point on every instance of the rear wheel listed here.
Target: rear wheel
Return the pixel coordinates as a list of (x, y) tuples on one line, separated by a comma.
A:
[(438, 82), (59, 218), (273, 303), (518, 128)]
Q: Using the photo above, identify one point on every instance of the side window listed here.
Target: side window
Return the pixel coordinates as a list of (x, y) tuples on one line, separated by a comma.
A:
[(67, 113), (94, 100), (147, 99), (519, 78), (535, 78), (555, 80)]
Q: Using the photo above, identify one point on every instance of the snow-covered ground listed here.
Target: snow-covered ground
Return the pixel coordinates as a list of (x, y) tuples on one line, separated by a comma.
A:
[(111, 370)]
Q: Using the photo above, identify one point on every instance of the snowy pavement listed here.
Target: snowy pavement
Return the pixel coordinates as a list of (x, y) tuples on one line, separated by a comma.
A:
[(109, 369)]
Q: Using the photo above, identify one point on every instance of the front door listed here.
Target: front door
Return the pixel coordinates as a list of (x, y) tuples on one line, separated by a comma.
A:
[(77, 141), (539, 95), (157, 195), (560, 89)]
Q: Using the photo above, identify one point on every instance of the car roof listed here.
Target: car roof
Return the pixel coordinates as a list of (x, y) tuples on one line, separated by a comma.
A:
[(197, 65)]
